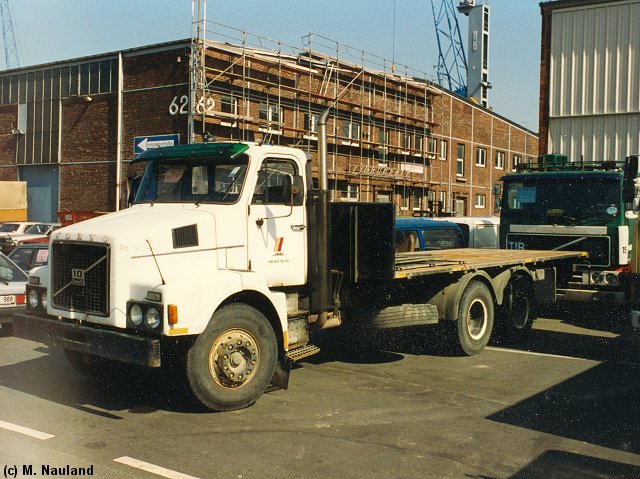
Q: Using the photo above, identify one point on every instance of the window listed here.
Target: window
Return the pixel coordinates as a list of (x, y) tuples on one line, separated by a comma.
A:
[(311, 122), (406, 141), (270, 113), (517, 159), (417, 199), (383, 136), (432, 145), (351, 130), (460, 160), (481, 157), (444, 150), (271, 180), (349, 193), (229, 104), (499, 160), (480, 201), (442, 200), (419, 143)]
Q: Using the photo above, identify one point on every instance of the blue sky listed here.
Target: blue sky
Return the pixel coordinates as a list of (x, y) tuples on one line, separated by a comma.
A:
[(63, 29)]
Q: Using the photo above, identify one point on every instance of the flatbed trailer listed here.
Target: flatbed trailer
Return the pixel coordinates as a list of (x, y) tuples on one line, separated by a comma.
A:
[(420, 263)]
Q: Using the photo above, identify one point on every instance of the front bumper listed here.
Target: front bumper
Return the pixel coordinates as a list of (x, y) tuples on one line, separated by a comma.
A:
[(592, 296), (123, 347)]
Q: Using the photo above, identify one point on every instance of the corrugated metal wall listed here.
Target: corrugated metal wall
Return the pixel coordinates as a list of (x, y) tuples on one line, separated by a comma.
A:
[(594, 87)]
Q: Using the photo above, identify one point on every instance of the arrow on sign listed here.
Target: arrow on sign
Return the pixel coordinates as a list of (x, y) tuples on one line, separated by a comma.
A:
[(147, 143)]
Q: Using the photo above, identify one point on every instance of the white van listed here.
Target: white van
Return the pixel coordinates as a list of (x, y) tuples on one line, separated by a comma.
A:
[(478, 231)]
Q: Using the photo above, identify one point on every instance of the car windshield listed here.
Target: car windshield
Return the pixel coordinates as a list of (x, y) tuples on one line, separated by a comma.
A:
[(570, 201), (36, 229), (207, 180), (10, 272), (9, 227)]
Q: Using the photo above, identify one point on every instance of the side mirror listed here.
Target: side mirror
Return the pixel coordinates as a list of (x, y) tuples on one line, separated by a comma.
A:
[(630, 174), (293, 190)]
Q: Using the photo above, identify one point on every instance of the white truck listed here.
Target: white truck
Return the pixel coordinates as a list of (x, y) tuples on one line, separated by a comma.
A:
[(229, 260)]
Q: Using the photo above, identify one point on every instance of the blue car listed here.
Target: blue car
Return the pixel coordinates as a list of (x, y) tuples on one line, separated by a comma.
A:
[(425, 234)]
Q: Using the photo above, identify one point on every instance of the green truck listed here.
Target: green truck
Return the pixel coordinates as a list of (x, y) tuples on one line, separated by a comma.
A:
[(556, 204)]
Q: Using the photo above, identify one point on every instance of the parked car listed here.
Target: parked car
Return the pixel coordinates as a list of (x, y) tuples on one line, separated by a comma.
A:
[(477, 231), (37, 232), (13, 282), (423, 234), (30, 255), (14, 227)]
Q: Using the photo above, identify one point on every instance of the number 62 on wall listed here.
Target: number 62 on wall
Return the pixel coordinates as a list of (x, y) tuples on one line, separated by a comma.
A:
[(180, 105)]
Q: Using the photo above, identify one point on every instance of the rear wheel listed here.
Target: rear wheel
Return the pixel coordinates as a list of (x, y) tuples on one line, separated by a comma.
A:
[(232, 362), (517, 312), (475, 318)]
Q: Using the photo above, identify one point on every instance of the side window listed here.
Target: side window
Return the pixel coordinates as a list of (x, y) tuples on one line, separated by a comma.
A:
[(407, 241), (271, 180)]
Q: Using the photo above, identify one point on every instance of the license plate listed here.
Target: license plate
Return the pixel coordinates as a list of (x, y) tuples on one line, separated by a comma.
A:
[(8, 299)]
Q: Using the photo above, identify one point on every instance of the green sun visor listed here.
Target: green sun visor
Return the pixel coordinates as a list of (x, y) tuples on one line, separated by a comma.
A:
[(212, 150)]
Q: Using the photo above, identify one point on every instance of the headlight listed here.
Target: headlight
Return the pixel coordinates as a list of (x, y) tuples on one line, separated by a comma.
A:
[(43, 299), (33, 298), (597, 277), (135, 315), (611, 279), (152, 318)]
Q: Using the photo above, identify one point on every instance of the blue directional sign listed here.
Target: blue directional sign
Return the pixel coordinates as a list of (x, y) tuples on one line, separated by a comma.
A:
[(144, 143)]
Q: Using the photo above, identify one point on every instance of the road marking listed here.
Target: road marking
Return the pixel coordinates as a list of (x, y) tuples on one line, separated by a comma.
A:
[(152, 468), (25, 430), (533, 353)]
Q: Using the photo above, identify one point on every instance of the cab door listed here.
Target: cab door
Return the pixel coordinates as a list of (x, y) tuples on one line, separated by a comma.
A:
[(277, 226)]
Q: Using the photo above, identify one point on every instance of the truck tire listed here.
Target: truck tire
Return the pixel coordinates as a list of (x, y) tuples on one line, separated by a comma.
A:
[(475, 318), (232, 362), (518, 312)]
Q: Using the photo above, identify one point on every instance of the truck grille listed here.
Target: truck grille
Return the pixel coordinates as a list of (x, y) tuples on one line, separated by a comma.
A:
[(80, 277), (598, 247)]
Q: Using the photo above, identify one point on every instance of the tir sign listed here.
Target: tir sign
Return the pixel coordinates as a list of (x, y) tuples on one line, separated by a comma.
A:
[(77, 277)]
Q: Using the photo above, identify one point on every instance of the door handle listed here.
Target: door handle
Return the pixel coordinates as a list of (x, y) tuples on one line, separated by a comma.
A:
[(298, 227)]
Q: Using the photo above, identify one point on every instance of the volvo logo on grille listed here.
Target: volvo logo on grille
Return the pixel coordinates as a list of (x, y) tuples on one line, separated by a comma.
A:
[(77, 277)]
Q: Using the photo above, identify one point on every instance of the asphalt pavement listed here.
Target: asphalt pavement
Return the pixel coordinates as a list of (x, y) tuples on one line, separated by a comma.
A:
[(563, 405)]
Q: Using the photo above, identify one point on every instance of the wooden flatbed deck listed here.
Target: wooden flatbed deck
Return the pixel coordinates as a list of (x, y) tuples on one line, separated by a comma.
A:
[(419, 263)]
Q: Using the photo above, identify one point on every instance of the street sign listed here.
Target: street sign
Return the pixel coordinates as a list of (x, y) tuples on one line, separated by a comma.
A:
[(144, 143)]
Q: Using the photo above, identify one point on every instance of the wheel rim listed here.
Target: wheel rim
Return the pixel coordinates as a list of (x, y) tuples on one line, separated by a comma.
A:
[(477, 319), (233, 358)]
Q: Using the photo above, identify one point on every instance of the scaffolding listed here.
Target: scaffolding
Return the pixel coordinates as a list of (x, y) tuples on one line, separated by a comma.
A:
[(252, 88)]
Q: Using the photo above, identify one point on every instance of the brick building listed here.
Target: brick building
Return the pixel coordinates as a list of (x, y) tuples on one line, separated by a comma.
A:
[(68, 128)]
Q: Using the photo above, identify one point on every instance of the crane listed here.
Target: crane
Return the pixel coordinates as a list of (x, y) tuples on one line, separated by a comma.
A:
[(452, 62), (11, 57)]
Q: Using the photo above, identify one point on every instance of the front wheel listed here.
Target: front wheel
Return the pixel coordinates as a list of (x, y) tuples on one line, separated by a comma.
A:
[(232, 362), (475, 318)]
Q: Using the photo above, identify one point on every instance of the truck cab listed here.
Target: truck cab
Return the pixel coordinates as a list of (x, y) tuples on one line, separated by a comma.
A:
[(555, 204)]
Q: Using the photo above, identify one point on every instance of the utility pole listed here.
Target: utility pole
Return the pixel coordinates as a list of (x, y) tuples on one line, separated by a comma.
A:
[(11, 58)]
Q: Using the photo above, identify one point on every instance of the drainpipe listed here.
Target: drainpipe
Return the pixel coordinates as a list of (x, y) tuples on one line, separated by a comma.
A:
[(324, 290), (119, 135)]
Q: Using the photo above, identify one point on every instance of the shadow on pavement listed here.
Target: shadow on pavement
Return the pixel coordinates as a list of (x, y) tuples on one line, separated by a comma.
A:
[(52, 378), (600, 406), (568, 465)]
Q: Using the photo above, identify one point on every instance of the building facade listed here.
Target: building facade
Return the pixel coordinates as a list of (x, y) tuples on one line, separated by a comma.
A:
[(590, 79), (71, 128)]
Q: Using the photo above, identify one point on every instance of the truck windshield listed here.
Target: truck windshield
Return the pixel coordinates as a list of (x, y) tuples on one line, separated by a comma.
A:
[(570, 201), (181, 180)]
